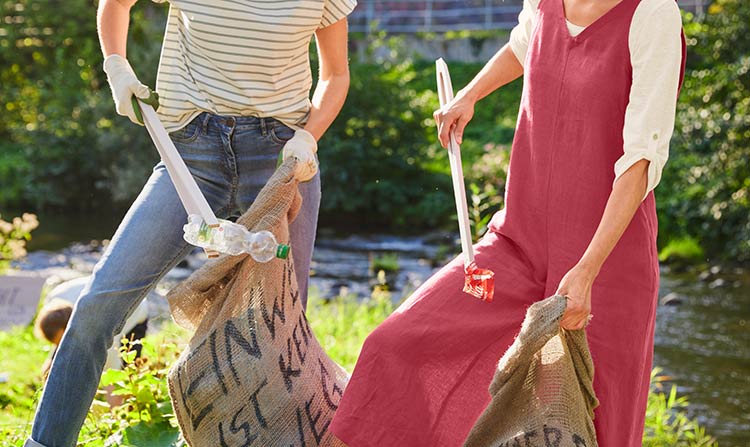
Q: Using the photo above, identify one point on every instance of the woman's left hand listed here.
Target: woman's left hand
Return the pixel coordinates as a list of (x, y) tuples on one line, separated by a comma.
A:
[(303, 147), (576, 286)]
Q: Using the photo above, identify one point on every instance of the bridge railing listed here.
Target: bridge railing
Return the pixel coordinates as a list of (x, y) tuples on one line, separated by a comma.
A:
[(438, 16)]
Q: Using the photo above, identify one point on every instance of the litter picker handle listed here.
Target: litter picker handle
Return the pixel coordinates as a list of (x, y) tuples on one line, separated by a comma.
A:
[(445, 93), (187, 189), (184, 183)]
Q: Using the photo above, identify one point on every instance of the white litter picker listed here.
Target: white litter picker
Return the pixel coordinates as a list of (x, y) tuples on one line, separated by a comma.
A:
[(478, 282), (204, 229)]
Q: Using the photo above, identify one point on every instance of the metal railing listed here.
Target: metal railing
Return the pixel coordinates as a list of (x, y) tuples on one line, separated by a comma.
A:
[(411, 16), (698, 7)]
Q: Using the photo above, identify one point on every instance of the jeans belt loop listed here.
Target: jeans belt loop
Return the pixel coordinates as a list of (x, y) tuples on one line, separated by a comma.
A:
[(263, 127), (204, 123)]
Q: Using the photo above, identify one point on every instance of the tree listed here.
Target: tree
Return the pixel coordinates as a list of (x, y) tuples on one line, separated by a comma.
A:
[(708, 181)]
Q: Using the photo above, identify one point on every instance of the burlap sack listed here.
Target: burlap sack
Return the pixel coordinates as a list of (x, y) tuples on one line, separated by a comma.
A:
[(542, 392), (253, 373)]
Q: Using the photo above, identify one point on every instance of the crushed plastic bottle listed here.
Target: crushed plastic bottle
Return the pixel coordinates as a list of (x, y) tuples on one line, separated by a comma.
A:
[(233, 239)]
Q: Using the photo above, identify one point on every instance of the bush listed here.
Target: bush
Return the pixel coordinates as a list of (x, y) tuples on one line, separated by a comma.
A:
[(705, 193), (62, 143), (381, 162), (684, 251), (13, 237), (145, 417), (376, 161)]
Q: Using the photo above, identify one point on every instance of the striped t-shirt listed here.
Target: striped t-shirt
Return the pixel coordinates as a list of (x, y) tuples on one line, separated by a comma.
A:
[(240, 58)]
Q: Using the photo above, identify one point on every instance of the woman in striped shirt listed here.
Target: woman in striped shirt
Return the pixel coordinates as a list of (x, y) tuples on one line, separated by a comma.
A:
[(234, 82)]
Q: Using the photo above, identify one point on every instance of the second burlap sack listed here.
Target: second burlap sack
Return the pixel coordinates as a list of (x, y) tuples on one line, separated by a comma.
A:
[(542, 392), (253, 373)]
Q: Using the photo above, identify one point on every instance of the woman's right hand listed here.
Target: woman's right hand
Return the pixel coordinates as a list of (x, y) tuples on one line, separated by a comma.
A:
[(125, 85), (453, 117)]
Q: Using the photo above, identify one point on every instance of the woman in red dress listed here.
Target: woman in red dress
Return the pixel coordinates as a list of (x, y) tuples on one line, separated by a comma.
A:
[(601, 79)]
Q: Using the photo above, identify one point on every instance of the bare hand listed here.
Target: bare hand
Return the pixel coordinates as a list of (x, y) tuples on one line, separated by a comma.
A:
[(576, 287), (453, 117)]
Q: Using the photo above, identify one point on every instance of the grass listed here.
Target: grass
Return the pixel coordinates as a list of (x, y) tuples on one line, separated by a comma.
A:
[(666, 421), (341, 326), (23, 356), (684, 250), (387, 262)]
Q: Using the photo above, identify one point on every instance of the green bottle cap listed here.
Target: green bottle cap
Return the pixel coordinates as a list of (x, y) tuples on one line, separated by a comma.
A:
[(204, 232), (283, 251)]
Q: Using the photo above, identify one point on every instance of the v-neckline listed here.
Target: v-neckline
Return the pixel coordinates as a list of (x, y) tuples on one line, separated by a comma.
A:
[(602, 19)]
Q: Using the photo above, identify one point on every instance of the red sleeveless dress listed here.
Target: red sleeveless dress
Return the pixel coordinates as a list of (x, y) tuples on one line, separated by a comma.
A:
[(423, 375)]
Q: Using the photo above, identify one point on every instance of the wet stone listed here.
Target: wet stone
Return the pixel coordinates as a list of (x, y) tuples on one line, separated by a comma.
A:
[(672, 299)]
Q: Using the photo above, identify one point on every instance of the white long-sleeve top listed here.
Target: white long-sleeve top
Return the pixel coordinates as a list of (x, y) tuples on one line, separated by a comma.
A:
[(656, 56)]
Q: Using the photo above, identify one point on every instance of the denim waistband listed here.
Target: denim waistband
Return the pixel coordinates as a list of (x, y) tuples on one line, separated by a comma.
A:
[(237, 121), (263, 124)]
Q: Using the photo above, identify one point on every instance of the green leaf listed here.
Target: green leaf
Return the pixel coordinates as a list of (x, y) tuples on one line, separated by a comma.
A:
[(113, 376), (122, 392), (151, 435), (145, 396), (129, 357)]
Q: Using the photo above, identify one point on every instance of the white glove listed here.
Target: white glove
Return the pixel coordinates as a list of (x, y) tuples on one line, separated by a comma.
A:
[(124, 84), (303, 147)]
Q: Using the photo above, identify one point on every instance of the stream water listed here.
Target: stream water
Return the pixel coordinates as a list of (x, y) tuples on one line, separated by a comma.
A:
[(702, 335)]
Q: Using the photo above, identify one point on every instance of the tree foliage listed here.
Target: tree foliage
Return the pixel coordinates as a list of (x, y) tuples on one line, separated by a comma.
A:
[(13, 237), (61, 142), (705, 193)]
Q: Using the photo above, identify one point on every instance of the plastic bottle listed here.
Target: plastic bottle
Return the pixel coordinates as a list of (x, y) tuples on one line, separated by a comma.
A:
[(234, 239)]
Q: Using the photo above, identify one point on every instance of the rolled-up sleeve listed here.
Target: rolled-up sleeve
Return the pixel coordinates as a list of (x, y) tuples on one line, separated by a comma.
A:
[(521, 33), (656, 56)]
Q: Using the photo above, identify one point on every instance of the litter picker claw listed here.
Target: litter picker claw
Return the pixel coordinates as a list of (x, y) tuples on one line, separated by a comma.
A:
[(478, 282)]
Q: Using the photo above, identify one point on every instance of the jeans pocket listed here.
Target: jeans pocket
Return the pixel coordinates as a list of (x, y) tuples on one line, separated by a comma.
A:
[(281, 133), (190, 132)]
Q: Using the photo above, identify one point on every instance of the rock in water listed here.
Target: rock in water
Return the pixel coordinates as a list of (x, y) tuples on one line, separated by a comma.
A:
[(672, 299)]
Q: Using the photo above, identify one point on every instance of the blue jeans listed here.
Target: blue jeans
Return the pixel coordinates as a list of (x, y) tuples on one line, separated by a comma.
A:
[(231, 158)]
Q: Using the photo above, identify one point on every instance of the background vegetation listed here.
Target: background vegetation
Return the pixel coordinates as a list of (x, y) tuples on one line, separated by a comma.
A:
[(62, 145), (705, 194), (13, 237)]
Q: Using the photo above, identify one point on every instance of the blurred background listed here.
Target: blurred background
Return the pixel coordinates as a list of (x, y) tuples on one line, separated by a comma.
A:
[(388, 216)]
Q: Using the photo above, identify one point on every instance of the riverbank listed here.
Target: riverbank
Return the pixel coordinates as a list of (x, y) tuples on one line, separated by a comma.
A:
[(702, 341)]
